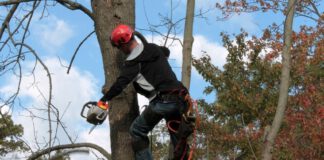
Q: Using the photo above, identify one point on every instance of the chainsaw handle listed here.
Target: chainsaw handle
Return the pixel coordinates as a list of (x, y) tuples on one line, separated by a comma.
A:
[(87, 105), (103, 115)]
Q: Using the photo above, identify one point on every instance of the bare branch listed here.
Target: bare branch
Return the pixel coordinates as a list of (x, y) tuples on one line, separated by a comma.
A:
[(11, 2), (307, 16), (76, 6), (8, 18), (15, 30), (26, 29), (50, 87), (77, 49), (315, 8), (69, 146)]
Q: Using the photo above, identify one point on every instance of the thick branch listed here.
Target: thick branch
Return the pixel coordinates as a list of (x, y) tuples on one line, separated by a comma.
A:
[(70, 146), (68, 152), (284, 83), (75, 6), (8, 18), (11, 2)]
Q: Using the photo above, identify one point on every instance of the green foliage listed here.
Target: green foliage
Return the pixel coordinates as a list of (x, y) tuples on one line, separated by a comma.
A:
[(247, 90), (9, 136)]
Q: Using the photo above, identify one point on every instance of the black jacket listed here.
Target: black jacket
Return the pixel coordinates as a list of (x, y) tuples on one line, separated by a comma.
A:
[(150, 73)]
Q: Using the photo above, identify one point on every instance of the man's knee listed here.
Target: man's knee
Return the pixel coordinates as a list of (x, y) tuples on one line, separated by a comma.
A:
[(139, 140)]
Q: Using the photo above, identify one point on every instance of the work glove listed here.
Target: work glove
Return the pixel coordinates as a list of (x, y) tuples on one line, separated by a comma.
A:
[(103, 105)]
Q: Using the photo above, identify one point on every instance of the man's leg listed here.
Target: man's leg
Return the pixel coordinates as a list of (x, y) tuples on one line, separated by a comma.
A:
[(173, 119), (139, 129), (180, 146)]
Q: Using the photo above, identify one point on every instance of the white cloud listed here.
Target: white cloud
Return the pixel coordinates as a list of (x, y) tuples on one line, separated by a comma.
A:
[(70, 92), (52, 32), (201, 46), (5, 109), (99, 136)]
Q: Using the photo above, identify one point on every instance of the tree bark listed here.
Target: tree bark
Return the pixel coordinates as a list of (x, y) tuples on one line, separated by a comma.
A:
[(284, 83), (107, 15), (187, 44)]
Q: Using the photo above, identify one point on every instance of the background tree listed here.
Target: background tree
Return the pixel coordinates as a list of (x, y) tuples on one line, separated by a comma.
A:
[(187, 44), (284, 82), (308, 9), (247, 92), (10, 135)]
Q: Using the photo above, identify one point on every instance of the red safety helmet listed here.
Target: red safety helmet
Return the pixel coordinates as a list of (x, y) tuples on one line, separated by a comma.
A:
[(121, 34)]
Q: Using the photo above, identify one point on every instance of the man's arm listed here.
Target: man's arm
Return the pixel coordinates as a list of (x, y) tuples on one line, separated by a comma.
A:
[(128, 74), (165, 51)]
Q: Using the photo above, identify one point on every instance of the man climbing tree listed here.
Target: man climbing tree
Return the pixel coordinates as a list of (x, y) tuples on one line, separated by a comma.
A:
[(152, 76)]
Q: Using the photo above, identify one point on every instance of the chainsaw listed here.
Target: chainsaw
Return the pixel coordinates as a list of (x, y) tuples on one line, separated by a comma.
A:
[(97, 113)]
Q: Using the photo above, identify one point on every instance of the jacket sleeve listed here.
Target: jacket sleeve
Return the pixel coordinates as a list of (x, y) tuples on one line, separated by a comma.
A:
[(128, 74)]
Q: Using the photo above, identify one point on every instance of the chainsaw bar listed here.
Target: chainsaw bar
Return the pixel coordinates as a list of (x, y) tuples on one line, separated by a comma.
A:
[(92, 128)]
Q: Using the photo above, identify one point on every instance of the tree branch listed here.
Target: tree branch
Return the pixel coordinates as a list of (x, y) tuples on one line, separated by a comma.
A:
[(69, 146), (11, 2), (57, 156), (50, 87), (76, 6), (307, 16), (315, 8), (15, 30), (8, 18), (77, 49), (26, 28)]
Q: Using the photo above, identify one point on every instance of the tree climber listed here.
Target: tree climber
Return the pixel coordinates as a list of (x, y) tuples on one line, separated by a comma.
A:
[(146, 66)]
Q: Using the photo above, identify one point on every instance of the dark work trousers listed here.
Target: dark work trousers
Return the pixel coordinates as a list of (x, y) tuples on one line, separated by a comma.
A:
[(143, 124)]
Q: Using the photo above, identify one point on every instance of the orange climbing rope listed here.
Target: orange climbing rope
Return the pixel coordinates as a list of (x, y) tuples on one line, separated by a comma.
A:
[(192, 107)]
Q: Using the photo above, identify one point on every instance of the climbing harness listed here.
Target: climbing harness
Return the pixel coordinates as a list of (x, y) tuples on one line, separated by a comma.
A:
[(184, 128)]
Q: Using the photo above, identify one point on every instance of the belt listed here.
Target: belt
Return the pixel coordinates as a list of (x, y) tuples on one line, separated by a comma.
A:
[(179, 92), (168, 97), (172, 95)]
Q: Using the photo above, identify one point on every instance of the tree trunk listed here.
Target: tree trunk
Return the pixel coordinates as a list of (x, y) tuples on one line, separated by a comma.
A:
[(107, 15), (186, 53), (284, 83), (187, 44)]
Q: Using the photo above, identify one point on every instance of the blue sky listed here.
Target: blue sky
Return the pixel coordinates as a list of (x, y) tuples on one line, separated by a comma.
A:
[(57, 35)]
